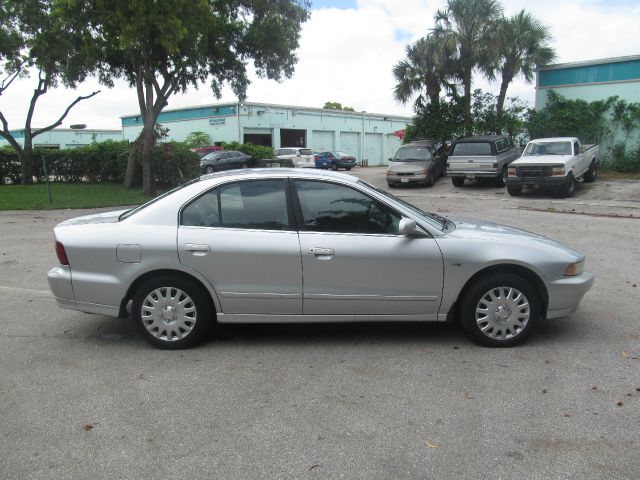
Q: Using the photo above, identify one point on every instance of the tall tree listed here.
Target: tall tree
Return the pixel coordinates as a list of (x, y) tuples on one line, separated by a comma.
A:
[(35, 39), (462, 26), (425, 70), (518, 46), (164, 46)]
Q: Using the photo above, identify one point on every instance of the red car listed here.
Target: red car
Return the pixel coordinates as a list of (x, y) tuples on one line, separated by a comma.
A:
[(203, 151)]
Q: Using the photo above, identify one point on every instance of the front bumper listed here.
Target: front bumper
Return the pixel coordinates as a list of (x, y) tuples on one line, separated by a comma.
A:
[(410, 178), (537, 183), (565, 294)]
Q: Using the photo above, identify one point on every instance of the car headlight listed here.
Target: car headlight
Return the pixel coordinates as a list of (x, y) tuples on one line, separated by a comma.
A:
[(574, 269), (512, 172), (557, 172)]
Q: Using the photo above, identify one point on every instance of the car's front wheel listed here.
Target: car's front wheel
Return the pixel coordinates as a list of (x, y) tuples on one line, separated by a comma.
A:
[(209, 169), (500, 310), (172, 312)]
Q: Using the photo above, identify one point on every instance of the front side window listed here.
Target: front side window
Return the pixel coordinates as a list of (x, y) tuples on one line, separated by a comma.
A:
[(328, 207), (258, 205)]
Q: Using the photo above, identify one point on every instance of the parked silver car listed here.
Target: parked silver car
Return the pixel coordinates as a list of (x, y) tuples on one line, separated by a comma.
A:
[(285, 245)]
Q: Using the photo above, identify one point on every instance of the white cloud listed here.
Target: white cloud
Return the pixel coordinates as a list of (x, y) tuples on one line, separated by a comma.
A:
[(347, 56)]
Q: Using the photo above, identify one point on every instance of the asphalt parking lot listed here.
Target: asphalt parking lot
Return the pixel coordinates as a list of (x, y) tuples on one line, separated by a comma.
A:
[(83, 396)]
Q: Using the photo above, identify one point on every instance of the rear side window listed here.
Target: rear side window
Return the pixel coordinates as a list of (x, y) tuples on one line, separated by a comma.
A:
[(305, 151), (502, 145), (472, 148), (258, 205)]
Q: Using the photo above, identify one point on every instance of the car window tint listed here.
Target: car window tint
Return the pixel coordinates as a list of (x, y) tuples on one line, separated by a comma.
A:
[(305, 151), (502, 145), (472, 148), (328, 207), (254, 204), (203, 211)]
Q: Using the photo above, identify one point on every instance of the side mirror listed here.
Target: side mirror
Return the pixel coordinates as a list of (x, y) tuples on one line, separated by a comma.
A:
[(409, 228)]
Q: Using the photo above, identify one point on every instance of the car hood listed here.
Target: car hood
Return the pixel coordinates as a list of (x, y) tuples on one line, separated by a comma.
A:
[(104, 217), (496, 233), (541, 160), (411, 166)]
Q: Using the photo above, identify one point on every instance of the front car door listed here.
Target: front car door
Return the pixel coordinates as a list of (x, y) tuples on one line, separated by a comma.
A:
[(241, 237), (354, 261)]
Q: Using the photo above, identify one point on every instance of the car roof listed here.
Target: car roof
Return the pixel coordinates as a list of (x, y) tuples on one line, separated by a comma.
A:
[(479, 138), (420, 143), (279, 172)]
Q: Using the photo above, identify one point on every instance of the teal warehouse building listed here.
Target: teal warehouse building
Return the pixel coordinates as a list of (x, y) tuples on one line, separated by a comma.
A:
[(61, 138), (593, 80), (372, 138)]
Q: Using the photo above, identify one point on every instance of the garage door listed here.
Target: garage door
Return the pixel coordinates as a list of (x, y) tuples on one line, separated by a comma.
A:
[(393, 143), (321, 141), (373, 148), (350, 143)]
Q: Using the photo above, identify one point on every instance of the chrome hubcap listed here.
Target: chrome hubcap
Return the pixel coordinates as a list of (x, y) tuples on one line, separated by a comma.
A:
[(168, 313), (502, 313)]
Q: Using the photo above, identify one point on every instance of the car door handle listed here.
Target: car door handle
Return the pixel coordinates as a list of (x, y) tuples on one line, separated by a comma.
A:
[(197, 248), (321, 251)]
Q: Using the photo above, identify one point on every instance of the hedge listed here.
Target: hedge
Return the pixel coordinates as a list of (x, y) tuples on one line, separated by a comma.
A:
[(106, 161)]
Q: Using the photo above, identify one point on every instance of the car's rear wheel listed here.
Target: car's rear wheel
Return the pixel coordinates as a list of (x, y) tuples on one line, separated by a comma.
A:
[(501, 180), (500, 310), (457, 181), (334, 167), (592, 173), (172, 312)]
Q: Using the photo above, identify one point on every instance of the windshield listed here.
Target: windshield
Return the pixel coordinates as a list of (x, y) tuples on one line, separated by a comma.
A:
[(548, 148), (412, 154), (135, 210), (472, 148), (432, 219)]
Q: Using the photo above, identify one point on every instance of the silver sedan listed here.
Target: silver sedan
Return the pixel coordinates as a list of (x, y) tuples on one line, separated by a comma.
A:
[(284, 245)]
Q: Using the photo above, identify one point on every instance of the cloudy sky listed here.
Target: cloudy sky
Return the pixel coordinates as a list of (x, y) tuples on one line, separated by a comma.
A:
[(347, 51)]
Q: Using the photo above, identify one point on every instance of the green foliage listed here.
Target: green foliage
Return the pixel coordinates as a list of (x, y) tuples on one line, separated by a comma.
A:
[(337, 106), (198, 139), (570, 118), (445, 121), (103, 162), (258, 152), (623, 160)]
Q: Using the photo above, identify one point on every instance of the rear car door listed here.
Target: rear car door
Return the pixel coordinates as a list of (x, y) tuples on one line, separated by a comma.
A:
[(241, 237), (355, 262)]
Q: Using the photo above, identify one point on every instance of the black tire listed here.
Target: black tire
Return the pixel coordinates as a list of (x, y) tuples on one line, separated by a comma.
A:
[(334, 167), (514, 191), (501, 180), (194, 298), (430, 181), (569, 187), (500, 332), (209, 169), (347, 168), (391, 185), (592, 173), (457, 181), (244, 165)]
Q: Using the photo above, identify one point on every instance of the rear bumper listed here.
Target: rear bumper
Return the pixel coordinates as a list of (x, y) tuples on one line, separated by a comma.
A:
[(566, 293), (473, 173), (59, 279)]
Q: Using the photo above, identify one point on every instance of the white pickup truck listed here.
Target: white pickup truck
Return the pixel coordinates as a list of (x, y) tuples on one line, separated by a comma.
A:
[(554, 164)]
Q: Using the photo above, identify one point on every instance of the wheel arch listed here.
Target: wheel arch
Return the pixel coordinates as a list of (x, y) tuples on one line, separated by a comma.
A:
[(524, 272), (160, 272)]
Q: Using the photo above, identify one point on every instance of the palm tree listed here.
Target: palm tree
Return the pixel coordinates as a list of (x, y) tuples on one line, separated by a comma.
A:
[(462, 26), (425, 69), (519, 45)]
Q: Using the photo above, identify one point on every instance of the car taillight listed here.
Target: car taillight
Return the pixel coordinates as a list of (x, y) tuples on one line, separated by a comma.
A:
[(61, 254)]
